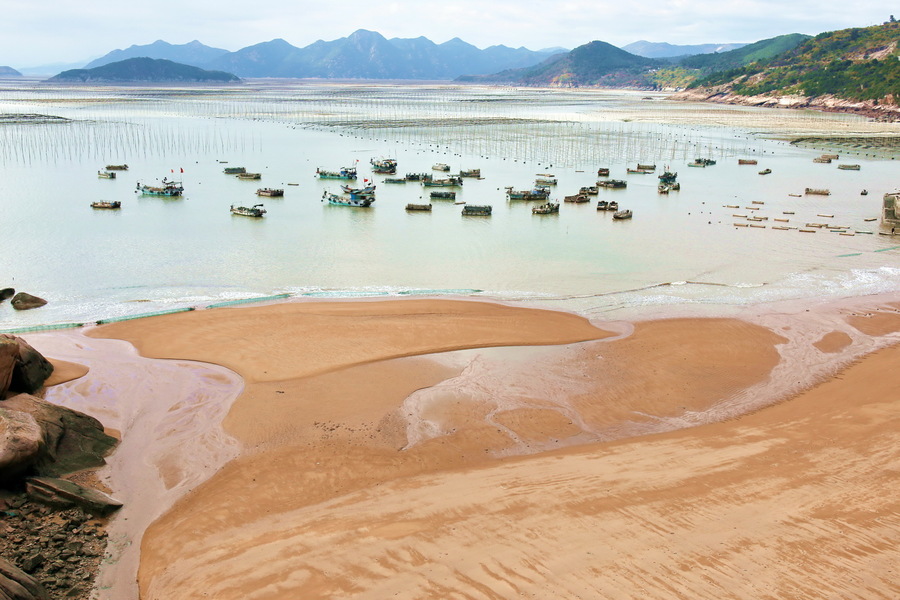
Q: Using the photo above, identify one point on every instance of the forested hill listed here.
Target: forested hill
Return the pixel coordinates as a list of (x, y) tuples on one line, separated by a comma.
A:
[(144, 70)]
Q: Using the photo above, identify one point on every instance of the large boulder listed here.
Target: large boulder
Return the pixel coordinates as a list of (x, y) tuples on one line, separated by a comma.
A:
[(23, 301), (64, 494), (9, 357), (31, 369), (22, 443), (16, 584), (72, 440), (6, 293)]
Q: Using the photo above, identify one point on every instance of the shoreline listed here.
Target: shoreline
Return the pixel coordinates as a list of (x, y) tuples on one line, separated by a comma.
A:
[(367, 411)]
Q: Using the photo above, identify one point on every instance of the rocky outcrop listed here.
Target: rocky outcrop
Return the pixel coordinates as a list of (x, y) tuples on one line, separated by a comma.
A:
[(886, 110), (9, 357), (23, 301), (21, 443), (16, 584), (6, 293), (30, 370), (70, 440), (65, 494)]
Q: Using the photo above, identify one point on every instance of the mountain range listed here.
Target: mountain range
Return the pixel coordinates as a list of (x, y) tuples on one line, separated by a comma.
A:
[(666, 50)]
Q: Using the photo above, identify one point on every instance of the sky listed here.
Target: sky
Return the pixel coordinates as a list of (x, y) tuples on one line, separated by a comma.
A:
[(69, 31)]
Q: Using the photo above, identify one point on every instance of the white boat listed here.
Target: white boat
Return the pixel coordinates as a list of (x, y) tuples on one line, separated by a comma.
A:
[(248, 211)]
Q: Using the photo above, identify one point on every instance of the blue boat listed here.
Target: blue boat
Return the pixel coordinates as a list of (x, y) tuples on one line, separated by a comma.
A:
[(168, 189), (344, 173), (345, 201)]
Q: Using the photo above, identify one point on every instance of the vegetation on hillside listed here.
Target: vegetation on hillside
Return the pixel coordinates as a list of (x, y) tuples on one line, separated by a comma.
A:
[(144, 70)]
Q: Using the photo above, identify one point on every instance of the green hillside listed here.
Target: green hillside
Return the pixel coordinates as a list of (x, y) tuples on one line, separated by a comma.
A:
[(144, 70), (854, 64), (761, 50)]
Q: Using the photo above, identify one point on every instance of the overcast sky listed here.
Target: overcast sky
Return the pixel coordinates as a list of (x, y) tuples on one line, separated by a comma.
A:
[(68, 31)]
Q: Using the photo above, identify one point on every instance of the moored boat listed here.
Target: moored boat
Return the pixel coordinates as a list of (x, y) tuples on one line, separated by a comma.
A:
[(646, 167), (234, 170), (849, 167), (106, 204), (765, 171), (248, 211), (343, 173), (168, 189), (546, 209), (668, 177), (269, 192), (613, 205), (452, 181), (440, 195), (477, 211), (747, 161), (822, 159), (577, 199), (344, 201), (417, 176), (538, 193), (395, 180), (367, 190), (817, 192), (474, 173), (602, 205), (590, 190), (116, 167), (384, 165), (622, 214), (545, 179), (106, 174), (424, 207), (249, 176), (440, 167), (613, 183), (603, 172)]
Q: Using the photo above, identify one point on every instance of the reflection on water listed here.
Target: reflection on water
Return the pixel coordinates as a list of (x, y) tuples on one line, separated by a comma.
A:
[(158, 253)]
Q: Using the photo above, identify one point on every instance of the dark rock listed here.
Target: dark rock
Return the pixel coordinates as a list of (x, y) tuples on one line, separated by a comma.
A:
[(32, 562), (6, 293), (15, 584), (23, 301), (31, 369), (59, 492), (9, 356), (73, 440)]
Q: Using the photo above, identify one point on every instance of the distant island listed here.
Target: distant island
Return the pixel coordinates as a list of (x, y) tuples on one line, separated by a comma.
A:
[(144, 70), (9, 72)]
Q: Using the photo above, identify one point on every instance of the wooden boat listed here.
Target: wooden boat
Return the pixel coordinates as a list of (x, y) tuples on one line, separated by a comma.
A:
[(668, 177), (168, 189), (864, 193), (705, 162), (538, 193), (440, 167), (106, 204), (590, 190), (106, 174), (344, 201), (765, 171), (116, 167), (248, 211), (545, 179), (249, 176), (849, 167), (384, 165), (697, 163), (368, 190), (395, 180), (871, 219), (824, 215), (622, 214), (615, 184), (269, 192), (452, 181), (443, 195), (795, 195), (747, 161), (646, 167), (731, 206), (234, 170), (424, 207), (613, 206), (817, 192), (831, 156), (344, 173), (417, 176), (546, 209), (473, 173), (741, 224), (822, 159), (577, 198), (477, 211), (602, 172), (638, 171), (675, 187), (602, 205), (663, 188), (757, 202)]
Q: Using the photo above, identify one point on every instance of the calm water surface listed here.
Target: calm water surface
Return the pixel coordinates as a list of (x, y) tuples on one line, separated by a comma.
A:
[(679, 249)]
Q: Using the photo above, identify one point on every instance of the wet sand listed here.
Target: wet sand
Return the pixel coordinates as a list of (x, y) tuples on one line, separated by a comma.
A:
[(435, 449)]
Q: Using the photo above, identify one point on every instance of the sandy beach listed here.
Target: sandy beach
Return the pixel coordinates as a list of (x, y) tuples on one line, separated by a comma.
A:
[(457, 449)]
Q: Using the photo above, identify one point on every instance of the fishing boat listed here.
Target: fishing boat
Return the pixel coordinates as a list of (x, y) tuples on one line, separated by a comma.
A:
[(545, 179), (384, 165), (822, 159), (765, 171), (106, 204), (417, 176), (613, 205), (622, 214), (440, 195), (590, 190), (663, 188), (702, 162), (344, 173), (638, 171), (646, 167), (440, 167), (168, 189), (864, 193), (831, 156), (603, 172), (425, 207), (452, 181), (602, 205), (538, 193), (849, 167), (344, 201), (747, 161), (474, 173), (106, 174), (234, 170), (476, 211), (249, 176), (269, 192), (248, 211), (116, 167), (394, 180), (367, 190), (577, 199), (613, 184), (817, 192), (546, 209), (668, 177)]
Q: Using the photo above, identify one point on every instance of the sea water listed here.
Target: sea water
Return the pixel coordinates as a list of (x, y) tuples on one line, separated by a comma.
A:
[(679, 249)]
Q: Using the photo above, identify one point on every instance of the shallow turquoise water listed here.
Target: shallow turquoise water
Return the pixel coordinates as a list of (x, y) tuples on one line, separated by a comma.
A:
[(155, 254)]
